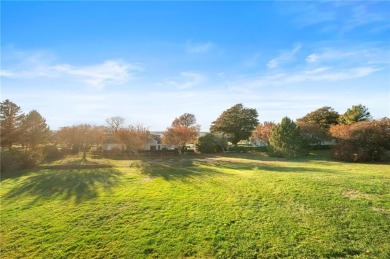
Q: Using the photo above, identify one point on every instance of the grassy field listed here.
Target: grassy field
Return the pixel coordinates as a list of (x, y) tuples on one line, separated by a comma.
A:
[(230, 206)]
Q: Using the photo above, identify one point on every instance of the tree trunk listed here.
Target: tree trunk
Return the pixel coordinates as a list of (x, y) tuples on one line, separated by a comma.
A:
[(84, 154)]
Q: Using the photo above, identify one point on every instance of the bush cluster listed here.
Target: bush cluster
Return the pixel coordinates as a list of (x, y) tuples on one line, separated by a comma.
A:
[(51, 153), (367, 141), (16, 159), (208, 144), (246, 149)]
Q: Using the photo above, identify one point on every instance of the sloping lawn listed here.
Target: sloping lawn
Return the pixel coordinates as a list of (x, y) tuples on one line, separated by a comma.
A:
[(226, 206)]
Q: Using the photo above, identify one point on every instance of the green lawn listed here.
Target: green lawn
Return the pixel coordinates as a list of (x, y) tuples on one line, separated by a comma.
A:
[(231, 206)]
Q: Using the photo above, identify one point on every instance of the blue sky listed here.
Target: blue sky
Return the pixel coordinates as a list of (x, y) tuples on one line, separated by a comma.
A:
[(149, 62)]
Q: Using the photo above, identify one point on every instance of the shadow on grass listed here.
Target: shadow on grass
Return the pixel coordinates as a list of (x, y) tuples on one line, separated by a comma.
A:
[(314, 155), (255, 165), (67, 184), (186, 168), (182, 169), (72, 164), (76, 164)]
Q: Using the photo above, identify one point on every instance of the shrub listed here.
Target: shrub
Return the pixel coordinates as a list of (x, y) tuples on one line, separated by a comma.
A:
[(51, 153), (208, 144), (16, 159), (313, 134), (286, 140), (366, 141), (75, 149), (246, 149)]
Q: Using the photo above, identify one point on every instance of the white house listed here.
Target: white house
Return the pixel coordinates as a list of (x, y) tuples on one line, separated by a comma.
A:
[(110, 143)]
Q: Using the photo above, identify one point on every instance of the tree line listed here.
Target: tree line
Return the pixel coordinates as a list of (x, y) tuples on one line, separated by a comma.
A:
[(30, 130), (27, 140), (355, 135)]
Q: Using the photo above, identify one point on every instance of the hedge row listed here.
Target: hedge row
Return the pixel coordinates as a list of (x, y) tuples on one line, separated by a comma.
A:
[(17, 159), (246, 149)]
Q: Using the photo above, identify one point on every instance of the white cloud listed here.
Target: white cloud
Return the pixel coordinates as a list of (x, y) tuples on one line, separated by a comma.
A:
[(364, 14), (5, 73), (342, 16), (199, 47), (272, 63), (327, 55), (252, 61), (327, 74), (284, 57), (193, 79), (320, 74), (186, 80), (110, 72), (312, 58), (358, 55)]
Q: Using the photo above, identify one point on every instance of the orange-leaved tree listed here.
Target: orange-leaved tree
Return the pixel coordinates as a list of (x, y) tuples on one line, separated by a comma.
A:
[(182, 131), (363, 141), (262, 132), (135, 137)]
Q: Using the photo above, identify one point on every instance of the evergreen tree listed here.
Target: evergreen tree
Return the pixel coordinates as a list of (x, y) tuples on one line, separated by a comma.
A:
[(10, 118), (34, 130), (323, 117), (355, 114), (286, 140)]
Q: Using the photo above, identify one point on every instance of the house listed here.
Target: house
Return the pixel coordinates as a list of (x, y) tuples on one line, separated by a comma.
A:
[(155, 143), (258, 143), (110, 143)]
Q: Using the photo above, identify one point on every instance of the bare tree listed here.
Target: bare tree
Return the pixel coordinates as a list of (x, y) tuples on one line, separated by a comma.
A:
[(115, 123), (135, 137), (82, 135)]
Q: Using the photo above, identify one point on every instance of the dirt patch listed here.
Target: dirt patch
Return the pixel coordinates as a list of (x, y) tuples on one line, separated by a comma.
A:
[(147, 179), (235, 160), (353, 194), (381, 210)]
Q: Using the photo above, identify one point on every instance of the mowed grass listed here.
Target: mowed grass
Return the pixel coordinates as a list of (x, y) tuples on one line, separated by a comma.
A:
[(225, 206)]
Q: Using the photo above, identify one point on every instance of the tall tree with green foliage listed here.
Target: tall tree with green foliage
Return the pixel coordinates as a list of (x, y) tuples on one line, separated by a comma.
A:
[(11, 117), (34, 130), (355, 114), (286, 140), (323, 117), (236, 123)]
